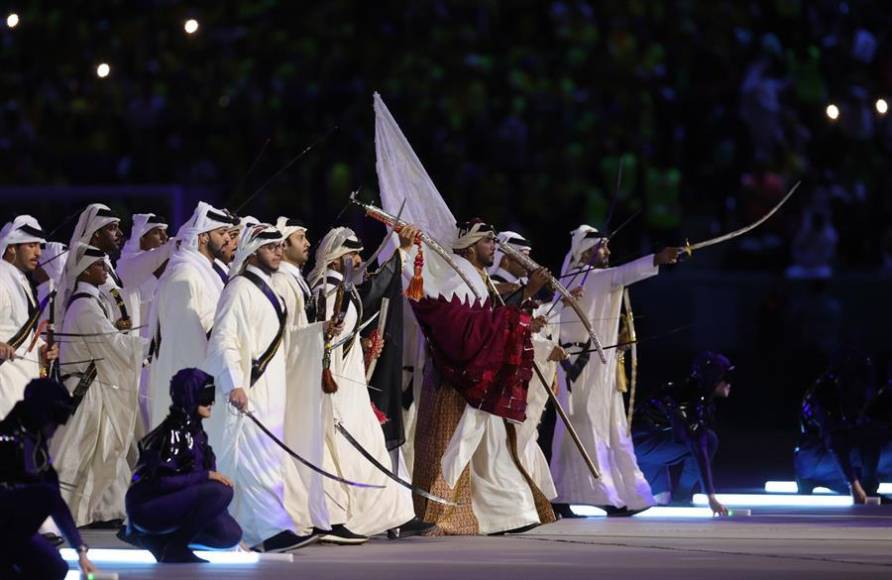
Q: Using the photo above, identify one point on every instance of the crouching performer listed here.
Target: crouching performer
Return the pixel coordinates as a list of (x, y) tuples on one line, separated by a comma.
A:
[(29, 486), (178, 500)]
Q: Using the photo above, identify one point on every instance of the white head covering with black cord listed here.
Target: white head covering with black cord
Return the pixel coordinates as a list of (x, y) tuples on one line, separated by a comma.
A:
[(24, 229), (253, 238), (581, 239), (336, 244)]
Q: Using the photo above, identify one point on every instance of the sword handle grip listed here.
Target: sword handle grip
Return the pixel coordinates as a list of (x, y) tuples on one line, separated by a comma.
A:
[(686, 253)]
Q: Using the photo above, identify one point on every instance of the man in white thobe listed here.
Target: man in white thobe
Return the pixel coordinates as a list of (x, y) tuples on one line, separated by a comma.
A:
[(19, 310), (588, 387), (249, 365), (99, 227), (185, 304), (143, 257), (355, 513), (304, 346), (478, 460), (90, 451), (510, 279), (142, 262)]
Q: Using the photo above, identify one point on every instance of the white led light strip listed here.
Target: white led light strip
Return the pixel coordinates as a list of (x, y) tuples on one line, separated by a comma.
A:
[(125, 556), (775, 500), (790, 487)]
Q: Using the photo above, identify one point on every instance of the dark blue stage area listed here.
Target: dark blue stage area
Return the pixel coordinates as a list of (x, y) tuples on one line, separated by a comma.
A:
[(778, 542)]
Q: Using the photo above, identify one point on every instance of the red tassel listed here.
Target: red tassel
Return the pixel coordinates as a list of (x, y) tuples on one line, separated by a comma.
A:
[(415, 291), (382, 418), (329, 385)]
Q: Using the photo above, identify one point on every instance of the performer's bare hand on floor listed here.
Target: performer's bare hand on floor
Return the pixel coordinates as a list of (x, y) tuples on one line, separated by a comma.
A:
[(859, 496), (716, 506), (217, 476), (408, 234), (86, 566), (667, 256), (238, 398)]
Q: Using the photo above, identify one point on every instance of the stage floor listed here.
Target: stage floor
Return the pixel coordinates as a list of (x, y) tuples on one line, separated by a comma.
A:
[(772, 543)]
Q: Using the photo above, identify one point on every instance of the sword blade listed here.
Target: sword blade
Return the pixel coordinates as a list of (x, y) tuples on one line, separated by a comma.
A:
[(414, 489), (293, 454), (745, 229)]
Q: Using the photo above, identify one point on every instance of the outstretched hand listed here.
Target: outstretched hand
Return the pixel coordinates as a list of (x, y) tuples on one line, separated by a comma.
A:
[(667, 255)]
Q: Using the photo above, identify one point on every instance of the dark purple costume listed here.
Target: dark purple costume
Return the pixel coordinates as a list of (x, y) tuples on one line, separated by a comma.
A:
[(172, 504), (674, 430), (845, 428), (29, 486)]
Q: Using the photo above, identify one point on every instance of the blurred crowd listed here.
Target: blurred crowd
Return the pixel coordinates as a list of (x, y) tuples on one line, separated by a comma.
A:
[(522, 112)]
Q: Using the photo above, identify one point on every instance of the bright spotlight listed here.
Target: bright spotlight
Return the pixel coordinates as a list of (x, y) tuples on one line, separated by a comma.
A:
[(12, 20), (191, 26), (832, 112), (882, 106), (103, 70)]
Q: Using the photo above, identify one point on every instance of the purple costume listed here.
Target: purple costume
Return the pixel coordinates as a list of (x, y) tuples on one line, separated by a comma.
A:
[(29, 486), (172, 504)]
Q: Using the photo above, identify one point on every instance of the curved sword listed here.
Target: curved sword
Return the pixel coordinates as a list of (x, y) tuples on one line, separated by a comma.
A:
[(371, 459), (689, 247), (379, 214), (390, 229), (531, 265), (293, 454)]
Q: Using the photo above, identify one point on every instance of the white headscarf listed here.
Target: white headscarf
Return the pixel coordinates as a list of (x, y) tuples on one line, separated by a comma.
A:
[(288, 226), (472, 232), (513, 239), (24, 229), (94, 217), (581, 239), (247, 222), (336, 243), (143, 223), (53, 266), (82, 257), (204, 219), (252, 240)]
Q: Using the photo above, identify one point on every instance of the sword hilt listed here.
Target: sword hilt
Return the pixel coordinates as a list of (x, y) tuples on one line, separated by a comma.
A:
[(686, 251)]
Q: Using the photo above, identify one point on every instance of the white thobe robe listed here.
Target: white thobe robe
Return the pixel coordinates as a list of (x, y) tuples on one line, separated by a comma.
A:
[(182, 316), (364, 511), (594, 405), (137, 271), (530, 454), (15, 297), (244, 327), (90, 450), (129, 297), (304, 428), (501, 498)]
